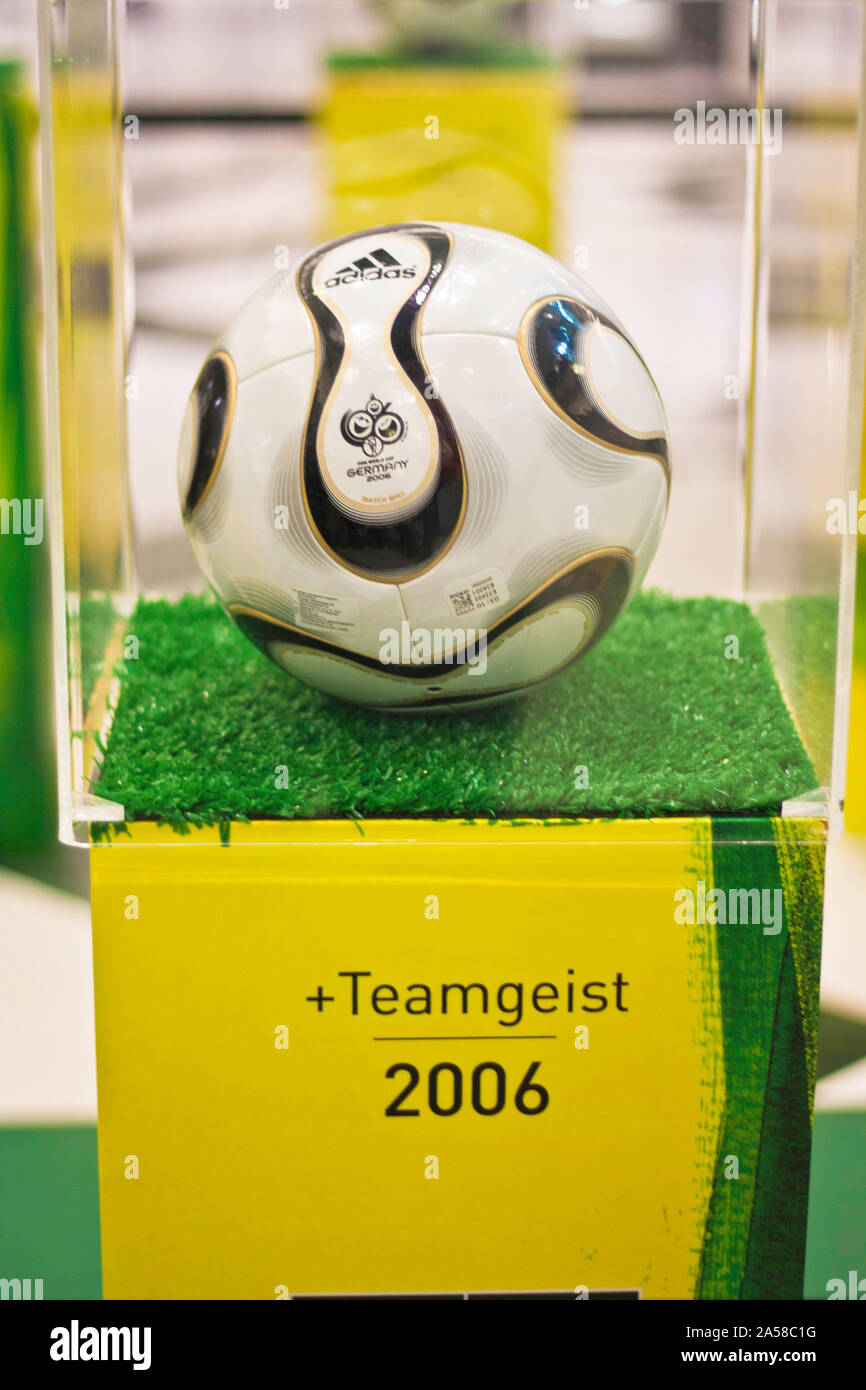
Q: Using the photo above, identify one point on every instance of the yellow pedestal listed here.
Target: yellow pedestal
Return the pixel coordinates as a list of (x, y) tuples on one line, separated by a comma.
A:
[(453, 1058)]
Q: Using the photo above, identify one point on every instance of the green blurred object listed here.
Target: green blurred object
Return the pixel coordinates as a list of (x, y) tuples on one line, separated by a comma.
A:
[(98, 619), (49, 1210), (837, 1202), (25, 654)]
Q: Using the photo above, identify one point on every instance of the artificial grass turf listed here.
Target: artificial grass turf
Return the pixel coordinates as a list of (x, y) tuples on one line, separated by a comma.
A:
[(662, 722)]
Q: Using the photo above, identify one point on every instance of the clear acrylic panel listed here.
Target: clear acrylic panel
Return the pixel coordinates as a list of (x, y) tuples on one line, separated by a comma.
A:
[(85, 327), (698, 163), (804, 424)]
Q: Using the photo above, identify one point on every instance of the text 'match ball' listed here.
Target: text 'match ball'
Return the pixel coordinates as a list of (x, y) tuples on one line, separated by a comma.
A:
[(425, 468)]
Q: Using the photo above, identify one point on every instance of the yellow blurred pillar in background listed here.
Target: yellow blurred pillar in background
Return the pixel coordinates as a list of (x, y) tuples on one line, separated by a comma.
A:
[(470, 141)]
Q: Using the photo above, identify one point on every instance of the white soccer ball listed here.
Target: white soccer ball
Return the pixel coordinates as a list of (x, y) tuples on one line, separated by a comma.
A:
[(426, 468), (447, 24)]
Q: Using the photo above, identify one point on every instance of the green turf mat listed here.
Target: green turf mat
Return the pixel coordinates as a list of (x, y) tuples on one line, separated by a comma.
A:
[(663, 722)]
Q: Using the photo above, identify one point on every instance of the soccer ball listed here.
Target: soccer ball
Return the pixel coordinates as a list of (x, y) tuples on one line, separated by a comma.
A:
[(424, 469), (447, 24)]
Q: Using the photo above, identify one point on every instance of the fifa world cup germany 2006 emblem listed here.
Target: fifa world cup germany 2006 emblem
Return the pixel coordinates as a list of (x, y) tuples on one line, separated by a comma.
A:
[(373, 427)]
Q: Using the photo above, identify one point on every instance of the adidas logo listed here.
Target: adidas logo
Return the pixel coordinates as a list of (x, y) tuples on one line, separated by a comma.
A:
[(376, 265)]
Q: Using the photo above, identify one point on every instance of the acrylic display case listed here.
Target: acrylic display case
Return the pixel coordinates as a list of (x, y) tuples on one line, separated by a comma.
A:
[(700, 165), (736, 266)]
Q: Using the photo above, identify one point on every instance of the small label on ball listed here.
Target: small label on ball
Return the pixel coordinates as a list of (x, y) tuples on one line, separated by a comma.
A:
[(325, 613), (476, 595)]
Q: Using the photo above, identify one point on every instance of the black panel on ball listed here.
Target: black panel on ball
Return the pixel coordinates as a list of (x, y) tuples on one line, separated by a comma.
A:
[(212, 393), (550, 348)]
